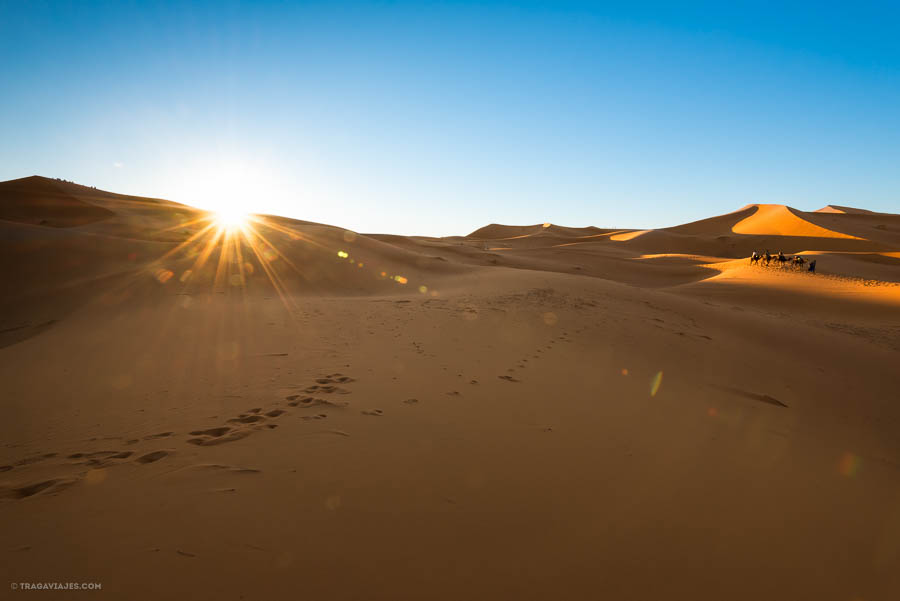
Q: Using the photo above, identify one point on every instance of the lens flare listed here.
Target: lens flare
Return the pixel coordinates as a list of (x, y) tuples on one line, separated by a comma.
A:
[(849, 464), (655, 383)]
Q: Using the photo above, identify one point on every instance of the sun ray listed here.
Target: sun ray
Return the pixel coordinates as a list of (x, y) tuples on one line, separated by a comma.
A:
[(185, 224), (239, 256), (277, 252), (224, 255), (186, 242), (206, 252), (274, 278), (291, 232)]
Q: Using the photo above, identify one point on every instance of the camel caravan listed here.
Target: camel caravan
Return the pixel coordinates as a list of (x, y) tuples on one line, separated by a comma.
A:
[(782, 261)]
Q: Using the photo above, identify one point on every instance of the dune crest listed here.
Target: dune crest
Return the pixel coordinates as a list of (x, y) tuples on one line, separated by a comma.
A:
[(781, 220)]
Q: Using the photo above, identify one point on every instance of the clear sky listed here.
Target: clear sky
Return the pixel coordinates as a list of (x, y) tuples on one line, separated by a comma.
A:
[(438, 117)]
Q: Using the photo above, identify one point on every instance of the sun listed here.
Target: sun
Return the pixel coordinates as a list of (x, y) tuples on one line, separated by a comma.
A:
[(228, 188), (230, 218)]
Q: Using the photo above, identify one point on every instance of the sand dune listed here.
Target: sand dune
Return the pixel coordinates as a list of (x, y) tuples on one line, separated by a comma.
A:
[(47, 202), (528, 412), (510, 232), (840, 209), (780, 220)]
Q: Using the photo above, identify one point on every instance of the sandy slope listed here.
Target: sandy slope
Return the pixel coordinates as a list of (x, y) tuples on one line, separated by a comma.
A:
[(526, 412)]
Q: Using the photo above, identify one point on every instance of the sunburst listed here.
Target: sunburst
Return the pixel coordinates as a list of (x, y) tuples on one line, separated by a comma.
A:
[(230, 246)]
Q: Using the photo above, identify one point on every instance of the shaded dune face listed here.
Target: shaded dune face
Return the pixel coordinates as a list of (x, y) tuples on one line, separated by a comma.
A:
[(41, 201)]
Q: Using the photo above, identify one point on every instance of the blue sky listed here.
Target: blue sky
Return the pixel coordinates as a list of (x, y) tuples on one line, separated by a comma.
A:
[(438, 117)]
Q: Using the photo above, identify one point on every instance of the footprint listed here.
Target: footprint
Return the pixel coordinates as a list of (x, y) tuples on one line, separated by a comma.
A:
[(327, 389), (30, 460), (160, 435), (275, 412), (211, 432), (374, 412), (96, 456), (411, 401), (207, 441), (102, 457), (319, 416), (152, 456), (295, 400), (509, 378), (313, 402), (246, 419), (54, 485), (218, 467)]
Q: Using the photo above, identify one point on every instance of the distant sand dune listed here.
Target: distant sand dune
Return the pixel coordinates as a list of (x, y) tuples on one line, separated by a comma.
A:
[(847, 210)]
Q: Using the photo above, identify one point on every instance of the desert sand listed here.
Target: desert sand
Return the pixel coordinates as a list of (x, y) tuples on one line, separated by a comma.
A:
[(291, 410)]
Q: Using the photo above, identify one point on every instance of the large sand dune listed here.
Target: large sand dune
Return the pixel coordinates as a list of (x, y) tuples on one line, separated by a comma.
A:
[(293, 410), (780, 220)]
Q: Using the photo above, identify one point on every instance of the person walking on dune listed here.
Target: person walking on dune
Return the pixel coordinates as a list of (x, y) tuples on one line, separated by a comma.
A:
[(812, 266)]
